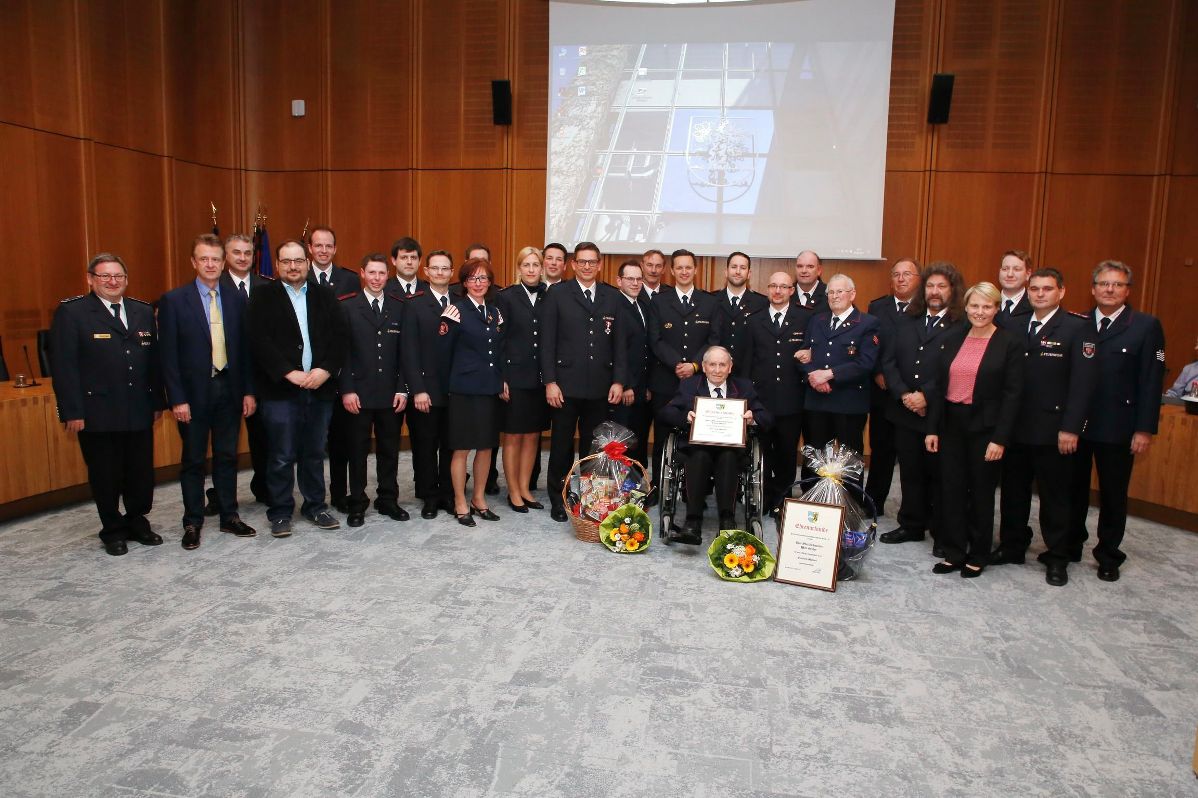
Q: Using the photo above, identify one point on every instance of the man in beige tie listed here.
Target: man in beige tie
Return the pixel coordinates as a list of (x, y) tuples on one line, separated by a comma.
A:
[(205, 368)]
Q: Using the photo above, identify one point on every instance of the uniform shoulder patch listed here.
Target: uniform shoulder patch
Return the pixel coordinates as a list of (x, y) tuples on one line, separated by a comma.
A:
[(416, 294), (138, 301), (1079, 315), (344, 297), (73, 298)]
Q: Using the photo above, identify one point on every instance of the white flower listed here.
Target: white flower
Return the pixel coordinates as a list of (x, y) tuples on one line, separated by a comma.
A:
[(735, 572), (756, 558), (729, 546), (739, 551)]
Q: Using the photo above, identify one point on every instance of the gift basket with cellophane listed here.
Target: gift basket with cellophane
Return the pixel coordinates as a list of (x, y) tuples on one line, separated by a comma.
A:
[(605, 480), (839, 470)]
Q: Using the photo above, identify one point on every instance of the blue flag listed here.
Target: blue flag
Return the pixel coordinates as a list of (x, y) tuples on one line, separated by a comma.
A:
[(265, 262)]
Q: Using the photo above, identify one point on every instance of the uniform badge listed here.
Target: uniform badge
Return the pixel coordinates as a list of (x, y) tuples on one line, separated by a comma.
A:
[(667, 325), (101, 335), (443, 329), (851, 350), (875, 340), (1088, 349), (1160, 355), (606, 326), (144, 333)]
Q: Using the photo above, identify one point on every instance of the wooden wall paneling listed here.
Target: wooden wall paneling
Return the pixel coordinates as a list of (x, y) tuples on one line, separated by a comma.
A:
[(132, 215), (194, 187), (526, 216), (1091, 218), (123, 73), (372, 85), (911, 66), (39, 70), (530, 84), (904, 215), (1112, 85), (62, 451), (25, 468), (289, 198), (454, 77), (283, 60), (457, 207), (370, 211), (201, 95), (975, 217), (168, 448), (1185, 130), (1179, 270), (1000, 52)]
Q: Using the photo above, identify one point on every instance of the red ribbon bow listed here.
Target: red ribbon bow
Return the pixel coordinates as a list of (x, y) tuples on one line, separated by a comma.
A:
[(615, 450)]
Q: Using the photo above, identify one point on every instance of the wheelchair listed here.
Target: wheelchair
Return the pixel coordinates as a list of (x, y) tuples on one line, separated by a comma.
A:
[(672, 483)]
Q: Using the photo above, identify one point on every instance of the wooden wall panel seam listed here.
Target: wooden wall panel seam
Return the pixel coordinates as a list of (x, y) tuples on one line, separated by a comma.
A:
[(1050, 94)]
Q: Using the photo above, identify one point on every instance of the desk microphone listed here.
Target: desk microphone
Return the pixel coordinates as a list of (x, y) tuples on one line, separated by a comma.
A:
[(29, 364)]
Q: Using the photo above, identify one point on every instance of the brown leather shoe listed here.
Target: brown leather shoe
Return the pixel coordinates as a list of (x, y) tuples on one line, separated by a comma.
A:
[(191, 537)]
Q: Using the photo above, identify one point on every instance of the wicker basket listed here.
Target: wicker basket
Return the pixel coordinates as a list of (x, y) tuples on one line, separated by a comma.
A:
[(585, 529)]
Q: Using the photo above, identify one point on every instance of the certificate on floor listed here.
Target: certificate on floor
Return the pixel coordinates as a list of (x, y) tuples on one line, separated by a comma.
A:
[(809, 544)]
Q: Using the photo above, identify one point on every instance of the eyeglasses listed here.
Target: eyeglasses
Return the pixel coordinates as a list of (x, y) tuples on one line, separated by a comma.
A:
[(840, 292), (1111, 284), (438, 268), (478, 278), (633, 279), (903, 275), (586, 261), (780, 287), (110, 278), (292, 261)]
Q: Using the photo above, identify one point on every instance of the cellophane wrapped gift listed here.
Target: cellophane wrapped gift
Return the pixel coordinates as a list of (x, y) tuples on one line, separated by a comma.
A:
[(607, 478), (840, 470)]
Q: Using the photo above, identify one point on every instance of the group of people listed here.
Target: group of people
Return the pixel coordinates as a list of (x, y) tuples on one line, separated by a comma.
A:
[(965, 389)]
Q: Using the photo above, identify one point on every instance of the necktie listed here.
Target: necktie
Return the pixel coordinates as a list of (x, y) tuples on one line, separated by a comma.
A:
[(1006, 308), (324, 279), (835, 323), (902, 306), (686, 301), (116, 312), (1102, 325), (216, 324), (407, 289), (778, 320), (932, 322), (444, 302), (378, 311), (1032, 329), (587, 293), (735, 302), (245, 292), (806, 298), (719, 392), (482, 311)]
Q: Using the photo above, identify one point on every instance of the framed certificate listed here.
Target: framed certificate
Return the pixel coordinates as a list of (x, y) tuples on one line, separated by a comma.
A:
[(719, 422), (809, 544)]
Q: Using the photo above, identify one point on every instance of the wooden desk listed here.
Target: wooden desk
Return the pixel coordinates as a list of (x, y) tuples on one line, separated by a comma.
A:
[(1164, 483)]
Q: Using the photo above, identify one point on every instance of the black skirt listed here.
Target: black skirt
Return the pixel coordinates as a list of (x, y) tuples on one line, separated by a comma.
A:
[(526, 411), (474, 421)]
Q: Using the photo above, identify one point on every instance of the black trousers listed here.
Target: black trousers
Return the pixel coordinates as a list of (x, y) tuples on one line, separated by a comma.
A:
[(638, 417), (820, 426), (431, 455), (882, 455), (217, 420), (967, 484), (1052, 473), (702, 462), (780, 456), (919, 481), (1114, 462), (120, 465), (384, 423), (255, 431), (583, 414), (340, 437)]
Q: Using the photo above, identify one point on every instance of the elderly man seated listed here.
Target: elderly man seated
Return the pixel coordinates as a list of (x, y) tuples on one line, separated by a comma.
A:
[(704, 460)]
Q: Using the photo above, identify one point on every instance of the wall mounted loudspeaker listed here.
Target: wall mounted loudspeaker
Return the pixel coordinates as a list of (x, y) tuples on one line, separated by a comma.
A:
[(941, 99), (501, 102)]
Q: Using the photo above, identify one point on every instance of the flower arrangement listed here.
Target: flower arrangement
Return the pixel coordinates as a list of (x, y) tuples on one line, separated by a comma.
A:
[(626, 530), (737, 556)]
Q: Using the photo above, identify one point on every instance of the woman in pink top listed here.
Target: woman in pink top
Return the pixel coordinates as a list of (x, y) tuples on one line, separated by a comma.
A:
[(970, 421)]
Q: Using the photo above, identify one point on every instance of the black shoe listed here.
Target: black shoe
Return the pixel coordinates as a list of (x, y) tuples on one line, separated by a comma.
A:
[(520, 508), (116, 548), (938, 551), (356, 519), (1057, 574), (484, 513), (558, 513), (191, 537), (144, 535), (281, 528), (945, 568), (971, 573), (1001, 556), (324, 520), (429, 511), (465, 519), (900, 535), (1108, 573), (533, 505), (235, 526), (492, 488), (692, 535), (393, 511), (213, 505)]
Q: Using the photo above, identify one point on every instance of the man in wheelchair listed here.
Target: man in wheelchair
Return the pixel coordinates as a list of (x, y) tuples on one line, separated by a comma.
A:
[(700, 462)]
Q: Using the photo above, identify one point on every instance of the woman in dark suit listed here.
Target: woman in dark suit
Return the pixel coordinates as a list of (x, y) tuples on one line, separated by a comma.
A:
[(971, 415), (526, 414), (470, 339)]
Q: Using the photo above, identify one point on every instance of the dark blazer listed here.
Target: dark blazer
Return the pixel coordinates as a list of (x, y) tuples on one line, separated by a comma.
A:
[(911, 362), (392, 286), (256, 281), (473, 348), (733, 325), (683, 402), (1130, 357), (1058, 380), (996, 391), (106, 374), (886, 312), (423, 371), (277, 345), (1017, 320), (636, 343), (521, 335), (581, 345), (343, 281), (819, 297), (679, 335), (185, 344), (770, 359), (372, 366), (850, 351)]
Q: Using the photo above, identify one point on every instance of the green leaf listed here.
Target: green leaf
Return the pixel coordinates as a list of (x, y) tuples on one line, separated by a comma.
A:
[(739, 537), (634, 515)]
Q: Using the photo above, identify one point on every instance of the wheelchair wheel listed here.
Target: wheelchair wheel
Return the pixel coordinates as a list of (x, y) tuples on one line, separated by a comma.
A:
[(754, 488), (667, 486)]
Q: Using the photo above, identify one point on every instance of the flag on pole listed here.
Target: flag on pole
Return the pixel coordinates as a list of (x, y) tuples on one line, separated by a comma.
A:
[(265, 262)]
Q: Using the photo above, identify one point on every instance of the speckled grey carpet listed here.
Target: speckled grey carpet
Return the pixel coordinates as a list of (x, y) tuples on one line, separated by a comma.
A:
[(425, 659)]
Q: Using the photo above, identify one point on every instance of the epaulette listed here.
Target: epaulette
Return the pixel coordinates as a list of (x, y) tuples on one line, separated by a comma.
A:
[(350, 295), (73, 298), (416, 294), (396, 297), (879, 299), (1079, 315), (139, 301), (270, 277)]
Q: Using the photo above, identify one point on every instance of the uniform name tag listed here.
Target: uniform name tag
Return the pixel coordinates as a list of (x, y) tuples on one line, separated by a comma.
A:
[(101, 335)]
